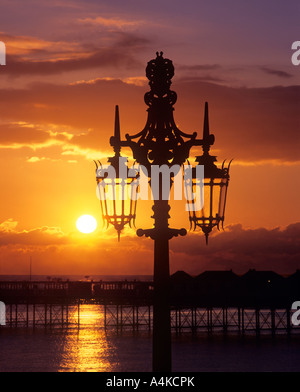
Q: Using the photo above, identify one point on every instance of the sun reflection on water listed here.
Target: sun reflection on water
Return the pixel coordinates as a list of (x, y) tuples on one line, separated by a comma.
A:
[(87, 349)]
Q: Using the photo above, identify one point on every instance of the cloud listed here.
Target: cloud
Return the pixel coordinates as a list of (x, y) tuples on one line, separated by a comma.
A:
[(135, 80), (236, 248), (240, 249), (88, 153), (276, 72), (110, 22), (21, 134), (35, 159), (199, 67), (12, 133), (8, 225), (204, 78), (54, 251), (41, 159), (250, 124), (33, 48), (42, 236), (31, 56), (102, 58)]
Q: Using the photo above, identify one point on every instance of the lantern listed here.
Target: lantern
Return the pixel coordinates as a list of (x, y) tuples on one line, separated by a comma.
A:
[(206, 194), (117, 191)]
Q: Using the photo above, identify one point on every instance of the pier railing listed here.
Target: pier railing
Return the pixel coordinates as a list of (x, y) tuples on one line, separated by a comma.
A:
[(128, 305)]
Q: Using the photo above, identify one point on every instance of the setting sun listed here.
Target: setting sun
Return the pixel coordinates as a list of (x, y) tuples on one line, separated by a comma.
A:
[(86, 224)]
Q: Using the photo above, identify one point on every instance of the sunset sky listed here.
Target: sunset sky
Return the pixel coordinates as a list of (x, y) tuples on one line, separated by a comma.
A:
[(70, 62)]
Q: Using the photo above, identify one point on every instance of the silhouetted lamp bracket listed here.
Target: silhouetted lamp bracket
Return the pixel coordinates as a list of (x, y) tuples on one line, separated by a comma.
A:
[(116, 187), (161, 142)]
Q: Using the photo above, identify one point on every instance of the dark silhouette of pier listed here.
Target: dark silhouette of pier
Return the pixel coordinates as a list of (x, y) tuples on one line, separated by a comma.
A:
[(258, 301)]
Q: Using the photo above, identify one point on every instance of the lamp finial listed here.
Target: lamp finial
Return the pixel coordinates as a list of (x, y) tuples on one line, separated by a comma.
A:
[(206, 135), (117, 124)]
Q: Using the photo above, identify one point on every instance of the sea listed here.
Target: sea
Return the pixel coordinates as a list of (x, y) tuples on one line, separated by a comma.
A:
[(91, 348)]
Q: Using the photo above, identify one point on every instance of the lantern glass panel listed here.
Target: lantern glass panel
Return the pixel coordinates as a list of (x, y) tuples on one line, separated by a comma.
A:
[(223, 192), (118, 198), (205, 212), (208, 199), (216, 191)]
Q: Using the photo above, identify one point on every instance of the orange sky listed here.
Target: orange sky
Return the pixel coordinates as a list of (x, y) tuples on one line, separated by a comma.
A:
[(57, 104)]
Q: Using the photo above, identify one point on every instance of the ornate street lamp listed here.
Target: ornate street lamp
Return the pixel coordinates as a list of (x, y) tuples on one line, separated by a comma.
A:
[(162, 143)]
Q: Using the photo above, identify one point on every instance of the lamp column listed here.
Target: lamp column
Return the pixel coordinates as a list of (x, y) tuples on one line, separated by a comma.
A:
[(162, 356)]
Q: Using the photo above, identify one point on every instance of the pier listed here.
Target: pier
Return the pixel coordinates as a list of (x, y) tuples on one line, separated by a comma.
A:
[(258, 302)]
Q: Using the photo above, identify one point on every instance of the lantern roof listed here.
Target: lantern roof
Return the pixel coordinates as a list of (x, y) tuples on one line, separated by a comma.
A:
[(207, 160)]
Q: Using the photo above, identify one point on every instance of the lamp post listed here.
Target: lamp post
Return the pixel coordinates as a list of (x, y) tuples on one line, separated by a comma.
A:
[(161, 143)]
